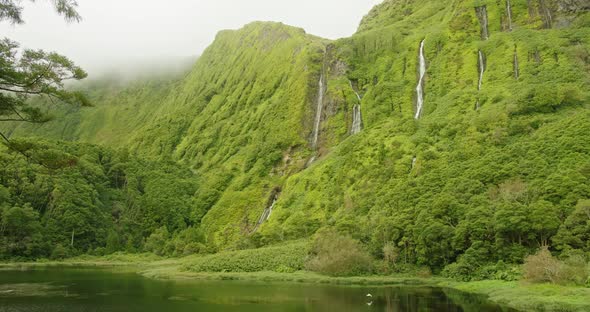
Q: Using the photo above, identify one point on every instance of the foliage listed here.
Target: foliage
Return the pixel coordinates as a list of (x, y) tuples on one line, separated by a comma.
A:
[(468, 191), (462, 270), (543, 267), (11, 10), (87, 198), (338, 255), (34, 72), (530, 296), (288, 257)]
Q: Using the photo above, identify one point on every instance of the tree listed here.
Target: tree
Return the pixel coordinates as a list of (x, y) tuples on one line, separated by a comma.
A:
[(574, 233), (30, 72), (338, 255), (12, 10), (20, 231)]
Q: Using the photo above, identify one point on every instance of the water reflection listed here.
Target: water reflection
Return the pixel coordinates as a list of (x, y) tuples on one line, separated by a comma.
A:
[(71, 289)]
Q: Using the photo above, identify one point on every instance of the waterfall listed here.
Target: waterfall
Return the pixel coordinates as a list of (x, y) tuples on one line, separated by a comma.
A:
[(413, 162), (357, 121), (310, 161), (357, 116), (318, 113), (420, 86), (482, 15), (482, 69), (274, 202), (509, 13), (267, 212), (545, 14), (516, 66), (358, 96)]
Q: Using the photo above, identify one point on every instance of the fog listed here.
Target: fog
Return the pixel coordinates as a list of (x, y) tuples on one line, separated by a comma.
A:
[(130, 35)]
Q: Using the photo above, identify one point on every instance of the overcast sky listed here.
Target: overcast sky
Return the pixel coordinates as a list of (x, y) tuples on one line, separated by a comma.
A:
[(117, 32)]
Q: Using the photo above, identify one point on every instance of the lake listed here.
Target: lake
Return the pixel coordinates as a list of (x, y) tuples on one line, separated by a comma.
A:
[(91, 289)]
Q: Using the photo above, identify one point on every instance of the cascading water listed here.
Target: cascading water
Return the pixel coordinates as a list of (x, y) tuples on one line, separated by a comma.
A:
[(357, 123), (482, 69), (318, 113), (482, 15), (357, 116), (420, 86), (545, 14), (274, 202), (358, 96), (414, 162), (509, 13), (267, 212), (481, 63)]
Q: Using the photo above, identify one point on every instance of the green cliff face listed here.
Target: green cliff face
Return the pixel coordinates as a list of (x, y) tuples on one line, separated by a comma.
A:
[(492, 168)]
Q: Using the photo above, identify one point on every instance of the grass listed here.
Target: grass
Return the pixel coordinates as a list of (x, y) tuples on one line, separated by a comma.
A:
[(116, 259), (529, 297), (175, 273)]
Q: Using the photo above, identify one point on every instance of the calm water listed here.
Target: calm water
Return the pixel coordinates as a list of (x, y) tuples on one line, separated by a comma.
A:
[(85, 289)]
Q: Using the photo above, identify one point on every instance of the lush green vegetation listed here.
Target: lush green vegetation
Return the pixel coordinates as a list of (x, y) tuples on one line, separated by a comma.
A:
[(60, 200), (190, 163), (529, 297), (284, 258)]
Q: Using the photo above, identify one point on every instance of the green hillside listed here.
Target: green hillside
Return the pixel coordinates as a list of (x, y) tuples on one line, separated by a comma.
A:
[(496, 165)]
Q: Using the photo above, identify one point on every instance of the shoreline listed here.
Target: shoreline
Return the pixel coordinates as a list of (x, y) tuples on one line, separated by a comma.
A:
[(519, 295)]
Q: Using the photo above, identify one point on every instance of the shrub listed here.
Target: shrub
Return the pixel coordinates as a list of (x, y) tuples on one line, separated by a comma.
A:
[(99, 251), (113, 242), (543, 267), (575, 270), (156, 242), (390, 253), (464, 272), (288, 257), (457, 271), (193, 248), (59, 252), (338, 255)]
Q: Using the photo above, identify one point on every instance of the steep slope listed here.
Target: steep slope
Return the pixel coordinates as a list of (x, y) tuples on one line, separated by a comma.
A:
[(289, 133), (242, 119), (120, 108), (495, 162)]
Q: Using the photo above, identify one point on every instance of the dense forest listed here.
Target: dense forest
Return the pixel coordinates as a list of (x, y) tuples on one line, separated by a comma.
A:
[(451, 135), (63, 199)]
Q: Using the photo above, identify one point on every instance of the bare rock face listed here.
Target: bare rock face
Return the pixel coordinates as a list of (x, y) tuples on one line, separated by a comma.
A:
[(573, 6)]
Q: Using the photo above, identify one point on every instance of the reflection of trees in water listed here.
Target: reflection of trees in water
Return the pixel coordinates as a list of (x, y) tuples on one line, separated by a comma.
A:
[(131, 290), (473, 303), (402, 299)]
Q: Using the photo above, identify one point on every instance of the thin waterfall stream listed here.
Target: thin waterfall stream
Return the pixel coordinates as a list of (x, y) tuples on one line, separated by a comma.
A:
[(481, 62), (482, 69), (420, 86), (267, 212), (482, 15), (318, 113), (357, 116)]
